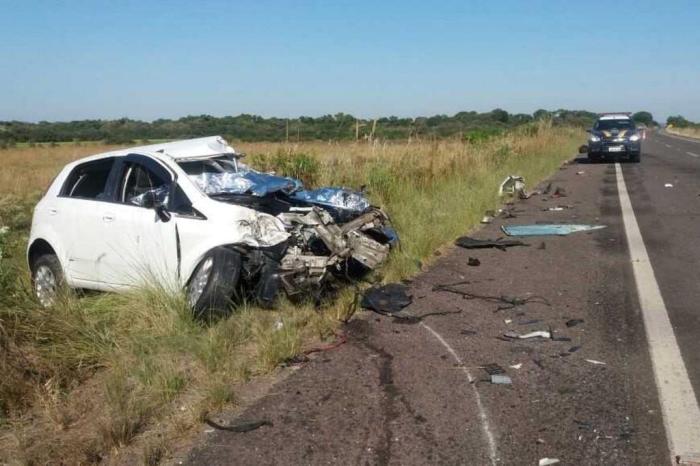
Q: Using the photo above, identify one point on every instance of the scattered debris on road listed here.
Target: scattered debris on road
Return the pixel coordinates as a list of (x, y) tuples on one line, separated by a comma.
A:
[(513, 184), (668, 185), (488, 217), (241, 426), (516, 366), (547, 229), (547, 461), (386, 299), (509, 301), (474, 262), (500, 243), (493, 369), (573, 322), (559, 192)]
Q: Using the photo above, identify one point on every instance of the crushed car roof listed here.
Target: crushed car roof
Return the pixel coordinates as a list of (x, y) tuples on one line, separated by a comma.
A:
[(177, 150), (188, 148)]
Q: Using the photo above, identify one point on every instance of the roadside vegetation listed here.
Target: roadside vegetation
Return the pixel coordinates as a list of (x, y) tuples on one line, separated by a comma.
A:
[(104, 375), (682, 127), (338, 127)]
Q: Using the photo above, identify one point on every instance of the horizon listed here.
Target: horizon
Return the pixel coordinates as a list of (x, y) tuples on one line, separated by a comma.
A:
[(138, 60)]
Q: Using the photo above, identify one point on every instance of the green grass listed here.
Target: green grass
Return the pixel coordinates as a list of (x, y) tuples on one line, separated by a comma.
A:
[(98, 373)]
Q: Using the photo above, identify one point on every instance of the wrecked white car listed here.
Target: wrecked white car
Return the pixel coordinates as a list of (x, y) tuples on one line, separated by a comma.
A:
[(191, 215)]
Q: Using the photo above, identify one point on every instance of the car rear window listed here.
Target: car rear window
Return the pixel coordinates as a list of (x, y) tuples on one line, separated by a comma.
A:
[(88, 180)]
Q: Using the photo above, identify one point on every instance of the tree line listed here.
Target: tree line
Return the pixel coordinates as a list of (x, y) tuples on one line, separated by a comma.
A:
[(469, 125)]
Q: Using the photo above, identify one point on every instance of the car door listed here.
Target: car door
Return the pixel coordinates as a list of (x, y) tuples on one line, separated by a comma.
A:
[(140, 246), (77, 216)]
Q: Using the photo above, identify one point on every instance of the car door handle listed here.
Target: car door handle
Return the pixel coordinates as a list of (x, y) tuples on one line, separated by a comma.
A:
[(108, 218)]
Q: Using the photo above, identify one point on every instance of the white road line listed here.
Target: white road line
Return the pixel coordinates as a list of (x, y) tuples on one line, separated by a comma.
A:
[(485, 426), (692, 154), (678, 403)]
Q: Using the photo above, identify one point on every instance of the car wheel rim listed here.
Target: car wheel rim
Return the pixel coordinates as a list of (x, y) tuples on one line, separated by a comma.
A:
[(45, 285), (199, 282)]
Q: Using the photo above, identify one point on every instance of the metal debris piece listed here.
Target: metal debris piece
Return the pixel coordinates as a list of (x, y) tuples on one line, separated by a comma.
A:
[(547, 461), (500, 243), (500, 379), (386, 299), (512, 185), (536, 334), (668, 185), (488, 217), (516, 366), (547, 229), (241, 427), (593, 361)]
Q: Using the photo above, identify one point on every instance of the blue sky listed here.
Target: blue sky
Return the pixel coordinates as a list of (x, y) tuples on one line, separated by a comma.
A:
[(63, 60)]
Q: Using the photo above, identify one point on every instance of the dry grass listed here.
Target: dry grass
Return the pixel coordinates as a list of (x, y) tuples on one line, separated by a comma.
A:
[(691, 132), (103, 373)]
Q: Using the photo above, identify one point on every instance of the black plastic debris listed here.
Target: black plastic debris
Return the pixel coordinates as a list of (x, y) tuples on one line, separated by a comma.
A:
[(467, 332), (474, 262), (493, 369), (500, 243), (386, 299), (573, 349), (573, 322)]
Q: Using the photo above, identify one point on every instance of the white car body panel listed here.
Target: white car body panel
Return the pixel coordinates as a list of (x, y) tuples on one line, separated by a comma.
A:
[(121, 246)]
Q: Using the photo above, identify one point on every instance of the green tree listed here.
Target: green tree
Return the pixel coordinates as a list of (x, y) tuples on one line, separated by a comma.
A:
[(643, 117)]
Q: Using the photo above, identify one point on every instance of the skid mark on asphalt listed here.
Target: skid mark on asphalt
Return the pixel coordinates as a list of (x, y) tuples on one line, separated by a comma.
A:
[(483, 417), (678, 403)]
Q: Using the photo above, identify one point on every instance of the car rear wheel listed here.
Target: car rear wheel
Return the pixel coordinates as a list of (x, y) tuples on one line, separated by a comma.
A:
[(47, 279), (213, 283)]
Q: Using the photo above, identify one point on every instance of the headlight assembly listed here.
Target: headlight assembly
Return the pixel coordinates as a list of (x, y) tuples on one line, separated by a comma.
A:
[(593, 138), (634, 138)]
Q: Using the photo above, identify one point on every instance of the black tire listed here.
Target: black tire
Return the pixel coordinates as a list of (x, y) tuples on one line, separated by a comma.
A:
[(218, 286), (46, 269)]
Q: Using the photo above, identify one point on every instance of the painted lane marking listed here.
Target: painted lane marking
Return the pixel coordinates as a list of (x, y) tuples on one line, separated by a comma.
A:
[(679, 406), (483, 417), (692, 154)]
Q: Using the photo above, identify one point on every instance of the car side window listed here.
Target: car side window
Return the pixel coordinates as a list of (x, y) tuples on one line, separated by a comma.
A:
[(138, 182), (88, 180)]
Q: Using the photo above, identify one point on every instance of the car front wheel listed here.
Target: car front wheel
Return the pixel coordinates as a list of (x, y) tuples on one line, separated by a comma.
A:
[(47, 279), (213, 283)]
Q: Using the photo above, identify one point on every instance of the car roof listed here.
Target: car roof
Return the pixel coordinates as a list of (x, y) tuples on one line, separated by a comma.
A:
[(175, 150), (614, 116)]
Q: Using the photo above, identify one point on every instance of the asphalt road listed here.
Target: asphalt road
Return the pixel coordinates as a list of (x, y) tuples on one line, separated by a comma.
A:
[(669, 220), (415, 392)]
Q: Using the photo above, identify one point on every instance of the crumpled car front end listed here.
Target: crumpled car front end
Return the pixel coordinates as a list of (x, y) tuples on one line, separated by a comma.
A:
[(331, 233)]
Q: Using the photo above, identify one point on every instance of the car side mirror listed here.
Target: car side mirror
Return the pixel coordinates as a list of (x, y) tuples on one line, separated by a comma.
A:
[(163, 213), (150, 201)]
